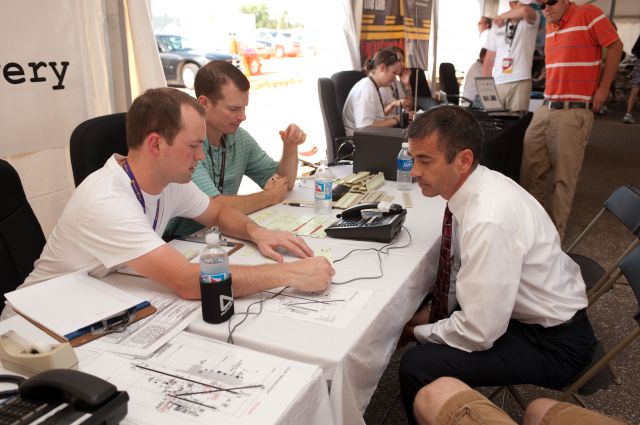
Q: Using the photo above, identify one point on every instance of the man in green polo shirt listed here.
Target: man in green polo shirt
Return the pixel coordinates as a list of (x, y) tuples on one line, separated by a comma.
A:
[(231, 152)]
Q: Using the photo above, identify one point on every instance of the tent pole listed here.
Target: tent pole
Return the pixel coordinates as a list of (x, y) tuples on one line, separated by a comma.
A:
[(434, 34), (119, 54), (613, 9)]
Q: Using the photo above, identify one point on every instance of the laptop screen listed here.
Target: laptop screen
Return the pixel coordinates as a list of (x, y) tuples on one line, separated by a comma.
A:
[(488, 94)]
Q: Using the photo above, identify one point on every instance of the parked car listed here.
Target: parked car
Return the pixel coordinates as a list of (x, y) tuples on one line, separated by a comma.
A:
[(181, 61), (265, 48), (287, 44)]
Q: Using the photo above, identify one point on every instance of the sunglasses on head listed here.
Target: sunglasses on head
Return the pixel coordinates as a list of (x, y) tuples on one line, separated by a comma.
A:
[(548, 3)]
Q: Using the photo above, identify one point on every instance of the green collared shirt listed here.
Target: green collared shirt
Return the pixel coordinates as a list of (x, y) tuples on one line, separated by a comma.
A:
[(243, 157)]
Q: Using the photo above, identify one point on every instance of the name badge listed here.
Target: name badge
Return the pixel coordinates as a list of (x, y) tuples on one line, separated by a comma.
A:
[(507, 65)]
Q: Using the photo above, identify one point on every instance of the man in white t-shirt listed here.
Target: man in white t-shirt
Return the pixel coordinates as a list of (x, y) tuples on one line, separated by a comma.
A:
[(510, 46), (117, 215), (470, 90), (484, 25)]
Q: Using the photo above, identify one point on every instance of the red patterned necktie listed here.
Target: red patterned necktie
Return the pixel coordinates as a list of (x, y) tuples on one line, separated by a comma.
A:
[(439, 300)]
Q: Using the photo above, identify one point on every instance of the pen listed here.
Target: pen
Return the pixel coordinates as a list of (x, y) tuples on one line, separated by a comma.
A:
[(302, 204), (299, 203)]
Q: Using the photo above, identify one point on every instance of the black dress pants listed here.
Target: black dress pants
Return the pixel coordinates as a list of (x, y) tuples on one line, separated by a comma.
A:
[(525, 354)]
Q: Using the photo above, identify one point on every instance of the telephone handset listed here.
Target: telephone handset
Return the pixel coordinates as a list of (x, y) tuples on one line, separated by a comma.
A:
[(357, 210), (379, 221), (69, 395)]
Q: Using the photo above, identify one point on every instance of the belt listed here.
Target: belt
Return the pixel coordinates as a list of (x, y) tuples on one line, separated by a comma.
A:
[(558, 104), (580, 315)]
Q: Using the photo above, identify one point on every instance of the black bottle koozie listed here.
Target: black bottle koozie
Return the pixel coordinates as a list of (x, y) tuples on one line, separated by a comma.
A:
[(217, 301)]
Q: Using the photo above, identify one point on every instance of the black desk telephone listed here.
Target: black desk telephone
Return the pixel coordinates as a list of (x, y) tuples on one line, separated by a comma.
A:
[(379, 221), (64, 396)]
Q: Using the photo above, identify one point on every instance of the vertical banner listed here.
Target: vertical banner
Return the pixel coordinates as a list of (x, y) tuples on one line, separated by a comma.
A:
[(403, 23), (42, 89)]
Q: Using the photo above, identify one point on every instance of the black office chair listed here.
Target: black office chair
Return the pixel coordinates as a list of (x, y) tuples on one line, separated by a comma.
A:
[(423, 85), (338, 146), (21, 237), (94, 141), (449, 82), (344, 82)]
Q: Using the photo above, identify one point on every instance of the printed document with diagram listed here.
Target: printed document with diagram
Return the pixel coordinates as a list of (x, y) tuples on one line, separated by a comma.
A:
[(196, 380)]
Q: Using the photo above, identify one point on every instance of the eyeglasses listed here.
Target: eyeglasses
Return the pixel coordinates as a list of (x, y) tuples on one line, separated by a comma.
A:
[(548, 3)]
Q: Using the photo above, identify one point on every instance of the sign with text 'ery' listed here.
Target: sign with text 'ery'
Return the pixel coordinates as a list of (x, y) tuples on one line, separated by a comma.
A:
[(43, 60)]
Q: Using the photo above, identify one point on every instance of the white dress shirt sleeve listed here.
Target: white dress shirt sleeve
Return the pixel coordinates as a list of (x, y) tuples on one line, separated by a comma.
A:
[(486, 289)]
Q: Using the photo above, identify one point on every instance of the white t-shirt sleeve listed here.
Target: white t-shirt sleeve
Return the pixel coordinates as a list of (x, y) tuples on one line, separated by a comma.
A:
[(367, 107), (115, 232), (115, 229), (187, 199), (490, 42)]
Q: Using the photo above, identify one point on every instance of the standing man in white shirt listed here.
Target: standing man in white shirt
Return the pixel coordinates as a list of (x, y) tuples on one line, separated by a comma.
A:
[(469, 88), (484, 25), (508, 306), (510, 46)]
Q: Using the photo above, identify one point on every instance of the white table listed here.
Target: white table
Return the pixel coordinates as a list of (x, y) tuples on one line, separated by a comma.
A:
[(352, 359), (306, 400)]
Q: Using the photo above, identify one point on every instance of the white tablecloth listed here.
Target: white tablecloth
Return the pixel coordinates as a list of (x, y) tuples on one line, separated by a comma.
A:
[(309, 406), (352, 359)]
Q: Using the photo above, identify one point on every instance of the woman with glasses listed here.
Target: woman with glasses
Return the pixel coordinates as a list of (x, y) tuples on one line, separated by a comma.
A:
[(364, 105), (399, 94)]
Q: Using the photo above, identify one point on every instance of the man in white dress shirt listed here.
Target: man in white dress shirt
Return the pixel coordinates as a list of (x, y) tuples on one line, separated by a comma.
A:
[(514, 310)]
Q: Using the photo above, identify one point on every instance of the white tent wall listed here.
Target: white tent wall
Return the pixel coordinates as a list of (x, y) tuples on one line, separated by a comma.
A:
[(458, 38), (116, 44)]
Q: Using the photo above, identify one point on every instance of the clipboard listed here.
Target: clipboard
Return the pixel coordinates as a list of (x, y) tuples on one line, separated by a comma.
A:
[(116, 323), (78, 308)]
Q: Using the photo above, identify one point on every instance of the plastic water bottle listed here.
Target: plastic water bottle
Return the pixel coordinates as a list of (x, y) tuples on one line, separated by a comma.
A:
[(214, 261), (404, 165), (323, 189)]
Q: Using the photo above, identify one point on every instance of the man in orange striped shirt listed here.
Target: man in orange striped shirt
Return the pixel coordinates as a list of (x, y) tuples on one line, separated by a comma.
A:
[(557, 136)]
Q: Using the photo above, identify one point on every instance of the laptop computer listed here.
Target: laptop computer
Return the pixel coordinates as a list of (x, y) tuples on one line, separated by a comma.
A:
[(376, 149), (488, 95)]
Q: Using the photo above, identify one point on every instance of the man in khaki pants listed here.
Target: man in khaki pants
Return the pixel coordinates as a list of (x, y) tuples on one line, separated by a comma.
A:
[(556, 138)]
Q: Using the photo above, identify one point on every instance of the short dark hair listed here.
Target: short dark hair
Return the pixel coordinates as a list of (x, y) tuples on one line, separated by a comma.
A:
[(157, 110), (211, 77), (384, 57), (457, 128), (486, 20)]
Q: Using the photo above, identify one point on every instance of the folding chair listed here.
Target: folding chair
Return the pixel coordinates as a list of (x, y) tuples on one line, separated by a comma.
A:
[(624, 204), (629, 267)]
